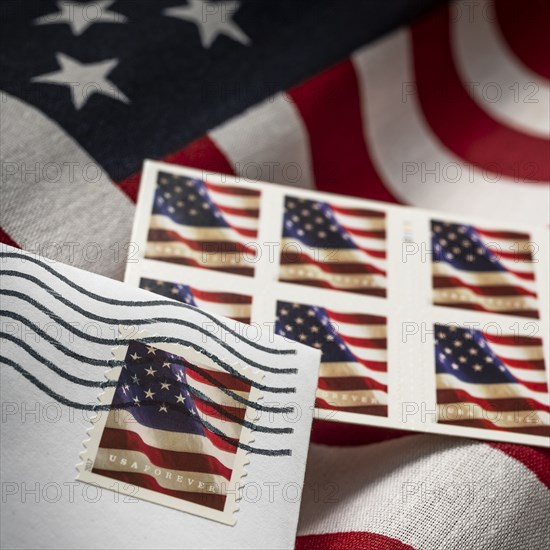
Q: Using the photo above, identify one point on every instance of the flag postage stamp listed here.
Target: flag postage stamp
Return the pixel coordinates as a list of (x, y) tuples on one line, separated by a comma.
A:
[(173, 428), (426, 321)]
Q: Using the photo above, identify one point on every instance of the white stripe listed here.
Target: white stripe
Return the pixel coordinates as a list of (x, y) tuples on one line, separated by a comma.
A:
[(60, 210), (517, 246), (298, 272), (512, 264), (369, 243), (373, 332), (248, 142), (454, 295), (400, 140), (505, 88), (369, 354), (347, 369), (222, 234), (353, 398), (490, 391), (480, 278), (429, 492), (172, 441), (241, 222), (165, 477), (523, 353), (451, 412), (332, 255), (527, 375), (361, 222), (234, 200)]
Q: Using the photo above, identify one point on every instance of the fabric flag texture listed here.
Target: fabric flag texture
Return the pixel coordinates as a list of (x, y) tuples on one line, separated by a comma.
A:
[(434, 104)]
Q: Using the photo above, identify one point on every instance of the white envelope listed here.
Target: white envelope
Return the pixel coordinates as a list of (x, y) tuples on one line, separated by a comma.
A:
[(59, 327)]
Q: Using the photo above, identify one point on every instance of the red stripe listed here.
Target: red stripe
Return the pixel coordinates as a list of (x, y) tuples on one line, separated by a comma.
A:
[(190, 462), (201, 153), (221, 297), (378, 366), (324, 284), (341, 434), (523, 364), (534, 458), (515, 256), (360, 212), (229, 444), (510, 404), (455, 118), (508, 235), (370, 233), (148, 482), (6, 239), (223, 378), (244, 212), (512, 340), (531, 313), (330, 106), (348, 383), (373, 410), (526, 32), (331, 266), (232, 190), (378, 343), (225, 415), (487, 425), (360, 540), (248, 271), (373, 252), (356, 318), (207, 247), (445, 281)]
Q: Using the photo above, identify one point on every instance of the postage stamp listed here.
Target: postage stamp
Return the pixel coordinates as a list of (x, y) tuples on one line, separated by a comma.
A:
[(174, 429)]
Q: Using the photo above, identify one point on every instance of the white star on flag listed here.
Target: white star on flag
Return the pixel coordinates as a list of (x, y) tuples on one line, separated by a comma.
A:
[(212, 19), (84, 79), (79, 16)]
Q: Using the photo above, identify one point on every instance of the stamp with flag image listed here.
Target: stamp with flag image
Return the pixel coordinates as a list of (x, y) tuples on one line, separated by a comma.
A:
[(176, 430)]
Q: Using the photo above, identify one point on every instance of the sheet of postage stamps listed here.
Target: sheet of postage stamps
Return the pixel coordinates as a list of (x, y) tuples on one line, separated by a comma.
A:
[(426, 321)]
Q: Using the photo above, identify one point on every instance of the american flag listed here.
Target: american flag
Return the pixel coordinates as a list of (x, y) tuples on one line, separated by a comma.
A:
[(201, 224), (331, 246), (158, 434), (229, 304), (395, 101), (485, 270), (491, 381), (354, 361)]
